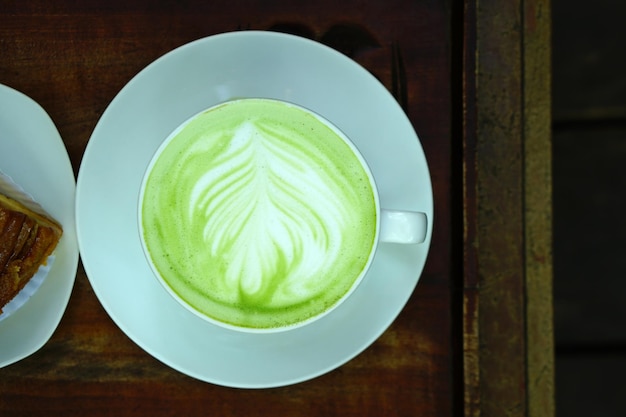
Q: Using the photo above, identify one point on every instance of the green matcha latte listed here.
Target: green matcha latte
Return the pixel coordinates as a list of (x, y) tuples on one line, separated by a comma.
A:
[(258, 214)]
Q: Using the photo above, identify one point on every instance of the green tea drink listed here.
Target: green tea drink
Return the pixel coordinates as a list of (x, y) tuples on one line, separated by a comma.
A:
[(258, 214)]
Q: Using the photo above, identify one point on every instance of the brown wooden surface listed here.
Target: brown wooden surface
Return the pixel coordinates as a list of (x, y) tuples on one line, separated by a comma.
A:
[(507, 195), (452, 66), (73, 57)]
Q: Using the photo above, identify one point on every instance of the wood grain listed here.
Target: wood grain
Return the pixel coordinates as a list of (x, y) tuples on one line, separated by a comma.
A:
[(507, 302), (475, 336), (73, 57)]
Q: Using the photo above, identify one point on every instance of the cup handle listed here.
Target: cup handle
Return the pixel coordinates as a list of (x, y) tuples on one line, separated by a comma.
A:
[(408, 227)]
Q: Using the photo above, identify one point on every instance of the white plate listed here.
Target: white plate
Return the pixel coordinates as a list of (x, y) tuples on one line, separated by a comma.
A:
[(179, 85), (33, 154)]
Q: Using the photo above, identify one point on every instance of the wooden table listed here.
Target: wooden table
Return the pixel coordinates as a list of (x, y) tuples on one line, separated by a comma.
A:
[(475, 337)]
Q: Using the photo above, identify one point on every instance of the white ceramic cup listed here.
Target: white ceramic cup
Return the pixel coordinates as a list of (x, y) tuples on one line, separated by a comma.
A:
[(397, 226)]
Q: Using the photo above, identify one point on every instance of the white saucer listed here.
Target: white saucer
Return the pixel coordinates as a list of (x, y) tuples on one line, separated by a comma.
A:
[(179, 85), (33, 154)]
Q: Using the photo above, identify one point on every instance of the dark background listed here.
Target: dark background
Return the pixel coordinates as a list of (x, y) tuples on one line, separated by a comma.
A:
[(589, 168)]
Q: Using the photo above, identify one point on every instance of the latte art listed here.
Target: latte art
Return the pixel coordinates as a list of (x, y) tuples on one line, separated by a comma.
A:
[(289, 225), (257, 214)]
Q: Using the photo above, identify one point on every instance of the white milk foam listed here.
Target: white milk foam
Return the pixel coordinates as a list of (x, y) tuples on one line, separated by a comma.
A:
[(300, 220)]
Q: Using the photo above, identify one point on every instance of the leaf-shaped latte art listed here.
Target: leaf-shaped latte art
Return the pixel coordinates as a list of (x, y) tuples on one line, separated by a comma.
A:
[(259, 215), (290, 217)]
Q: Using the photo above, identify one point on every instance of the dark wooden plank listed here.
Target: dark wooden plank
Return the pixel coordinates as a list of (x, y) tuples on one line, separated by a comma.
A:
[(589, 245), (508, 344), (583, 387), (538, 216), (589, 64)]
